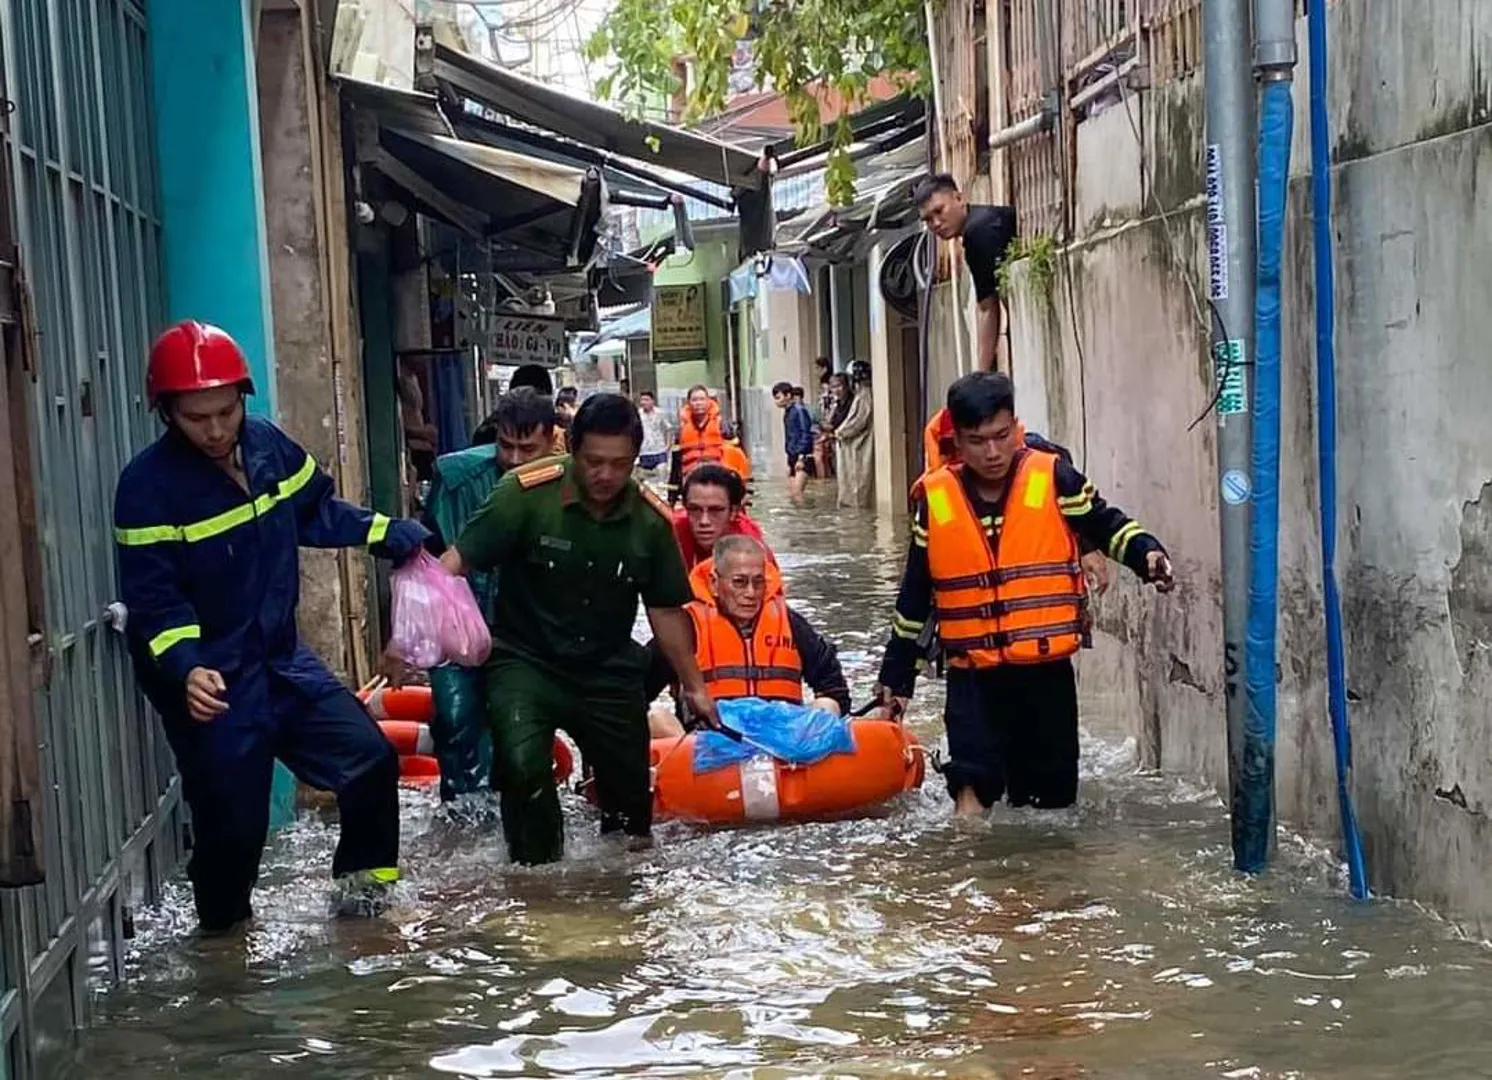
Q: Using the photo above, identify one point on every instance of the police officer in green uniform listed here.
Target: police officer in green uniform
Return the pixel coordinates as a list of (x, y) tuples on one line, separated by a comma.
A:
[(575, 542)]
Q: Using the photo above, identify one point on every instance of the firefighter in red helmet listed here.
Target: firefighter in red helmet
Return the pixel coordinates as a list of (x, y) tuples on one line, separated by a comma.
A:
[(208, 523)]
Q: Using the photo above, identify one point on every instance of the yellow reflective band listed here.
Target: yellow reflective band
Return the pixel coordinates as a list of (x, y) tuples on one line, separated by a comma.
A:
[(939, 506), (1038, 487), (379, 529), (151, 534), (218, 524), (903, 627), (177, 634), (384, 875), (1076, 509), (1120, 542), (301, 478), (228, 519)]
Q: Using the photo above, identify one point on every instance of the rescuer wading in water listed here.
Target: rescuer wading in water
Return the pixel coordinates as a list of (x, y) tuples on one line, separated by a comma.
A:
[(208, 523), (994, 558)]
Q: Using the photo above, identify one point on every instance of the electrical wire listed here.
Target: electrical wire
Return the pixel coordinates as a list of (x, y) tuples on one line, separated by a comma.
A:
[(1077, 339), (1186, 272)]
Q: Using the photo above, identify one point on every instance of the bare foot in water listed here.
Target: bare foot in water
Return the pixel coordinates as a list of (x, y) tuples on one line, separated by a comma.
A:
[(967, 804)]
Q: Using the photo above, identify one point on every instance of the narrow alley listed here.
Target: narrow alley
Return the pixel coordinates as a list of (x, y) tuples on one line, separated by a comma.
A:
[(1113, 942)]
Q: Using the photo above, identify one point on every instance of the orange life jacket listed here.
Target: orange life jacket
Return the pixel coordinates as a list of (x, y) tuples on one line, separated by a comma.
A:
[(1021, 603), (938, 448), (939, 430), (698, 443), (699, 579), (767, 666), (734, 458)]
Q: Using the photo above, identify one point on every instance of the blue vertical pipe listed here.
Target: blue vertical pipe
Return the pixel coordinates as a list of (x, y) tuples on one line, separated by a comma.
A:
[(1326, 448), (1254, 840)]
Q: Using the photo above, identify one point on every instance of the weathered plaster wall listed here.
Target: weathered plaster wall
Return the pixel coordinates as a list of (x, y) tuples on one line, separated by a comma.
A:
[(791, 326), (1412, 148), (302, 247)]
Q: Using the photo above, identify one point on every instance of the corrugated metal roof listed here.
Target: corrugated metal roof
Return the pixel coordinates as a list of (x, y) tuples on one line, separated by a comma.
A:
[(593, 124)]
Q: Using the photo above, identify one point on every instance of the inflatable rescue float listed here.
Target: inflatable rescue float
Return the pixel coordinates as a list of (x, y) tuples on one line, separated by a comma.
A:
[(403, 715), (886, 761)]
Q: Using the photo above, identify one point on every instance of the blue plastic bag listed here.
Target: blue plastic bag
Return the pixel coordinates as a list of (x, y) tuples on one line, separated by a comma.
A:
[(793, 733)]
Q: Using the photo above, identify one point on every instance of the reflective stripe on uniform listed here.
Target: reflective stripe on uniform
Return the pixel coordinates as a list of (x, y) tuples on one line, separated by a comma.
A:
[(903, 627), (301, 478), (177, 634), (152, 534), (218, 524), (1119, 545), (1079, 504), (379, 529), (751, 673)]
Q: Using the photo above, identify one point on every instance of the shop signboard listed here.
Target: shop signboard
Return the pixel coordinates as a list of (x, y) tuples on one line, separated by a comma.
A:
[(516, 339), (679, 323)]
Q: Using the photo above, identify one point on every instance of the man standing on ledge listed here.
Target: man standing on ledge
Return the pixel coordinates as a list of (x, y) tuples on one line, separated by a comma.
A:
[(575, 542), (994, 556), (987, 233)]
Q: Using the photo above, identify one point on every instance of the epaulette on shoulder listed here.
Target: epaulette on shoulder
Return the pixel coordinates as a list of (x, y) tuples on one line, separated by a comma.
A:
[(536, 473), (653, 499)]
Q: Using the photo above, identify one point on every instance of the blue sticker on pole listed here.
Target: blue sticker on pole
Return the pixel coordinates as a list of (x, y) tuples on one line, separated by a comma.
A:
[(1230, 368), (1236, 487)]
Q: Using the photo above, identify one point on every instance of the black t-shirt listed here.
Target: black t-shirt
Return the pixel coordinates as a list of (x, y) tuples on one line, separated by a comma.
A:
[(988, 233)]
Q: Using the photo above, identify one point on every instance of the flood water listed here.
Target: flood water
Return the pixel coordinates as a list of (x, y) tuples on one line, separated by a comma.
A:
[(1110, 941)]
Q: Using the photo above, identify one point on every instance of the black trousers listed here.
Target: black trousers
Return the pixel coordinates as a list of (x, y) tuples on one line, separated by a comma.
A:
[(1013, 733), (227, 768)]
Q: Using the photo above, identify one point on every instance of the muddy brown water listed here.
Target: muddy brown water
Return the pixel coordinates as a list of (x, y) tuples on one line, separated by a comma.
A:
[(1113, 940)]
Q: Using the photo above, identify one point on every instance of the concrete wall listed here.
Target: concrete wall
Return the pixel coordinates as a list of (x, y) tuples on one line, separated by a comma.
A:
[(319, 379), (791, 325), (1411, 149), (888, 398), (947, 358)]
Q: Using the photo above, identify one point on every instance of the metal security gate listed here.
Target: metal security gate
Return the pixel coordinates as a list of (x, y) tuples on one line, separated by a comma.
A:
[(78, 140)]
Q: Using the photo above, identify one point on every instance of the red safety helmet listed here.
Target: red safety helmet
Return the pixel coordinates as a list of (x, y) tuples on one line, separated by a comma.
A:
[(195, 355)]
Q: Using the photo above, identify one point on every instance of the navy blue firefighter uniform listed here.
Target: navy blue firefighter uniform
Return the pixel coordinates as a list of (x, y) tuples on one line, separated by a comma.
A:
[(210, 575)]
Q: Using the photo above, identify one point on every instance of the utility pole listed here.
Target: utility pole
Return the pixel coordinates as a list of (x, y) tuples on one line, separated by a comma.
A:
[(1228, 71)]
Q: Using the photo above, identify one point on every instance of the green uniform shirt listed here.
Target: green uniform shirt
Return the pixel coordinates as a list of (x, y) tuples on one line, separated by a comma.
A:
[(571, 582)]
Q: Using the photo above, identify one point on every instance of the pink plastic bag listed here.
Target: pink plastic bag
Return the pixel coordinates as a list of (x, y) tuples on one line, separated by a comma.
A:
[(465, 639), (435, 617)]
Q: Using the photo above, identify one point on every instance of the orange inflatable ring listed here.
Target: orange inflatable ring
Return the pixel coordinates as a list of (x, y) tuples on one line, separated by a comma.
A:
[(887, 761), (404, 715), (419, 770), (410, 703)]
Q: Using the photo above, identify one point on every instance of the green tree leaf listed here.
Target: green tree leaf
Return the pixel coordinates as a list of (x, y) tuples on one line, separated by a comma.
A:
[(798, 46)]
